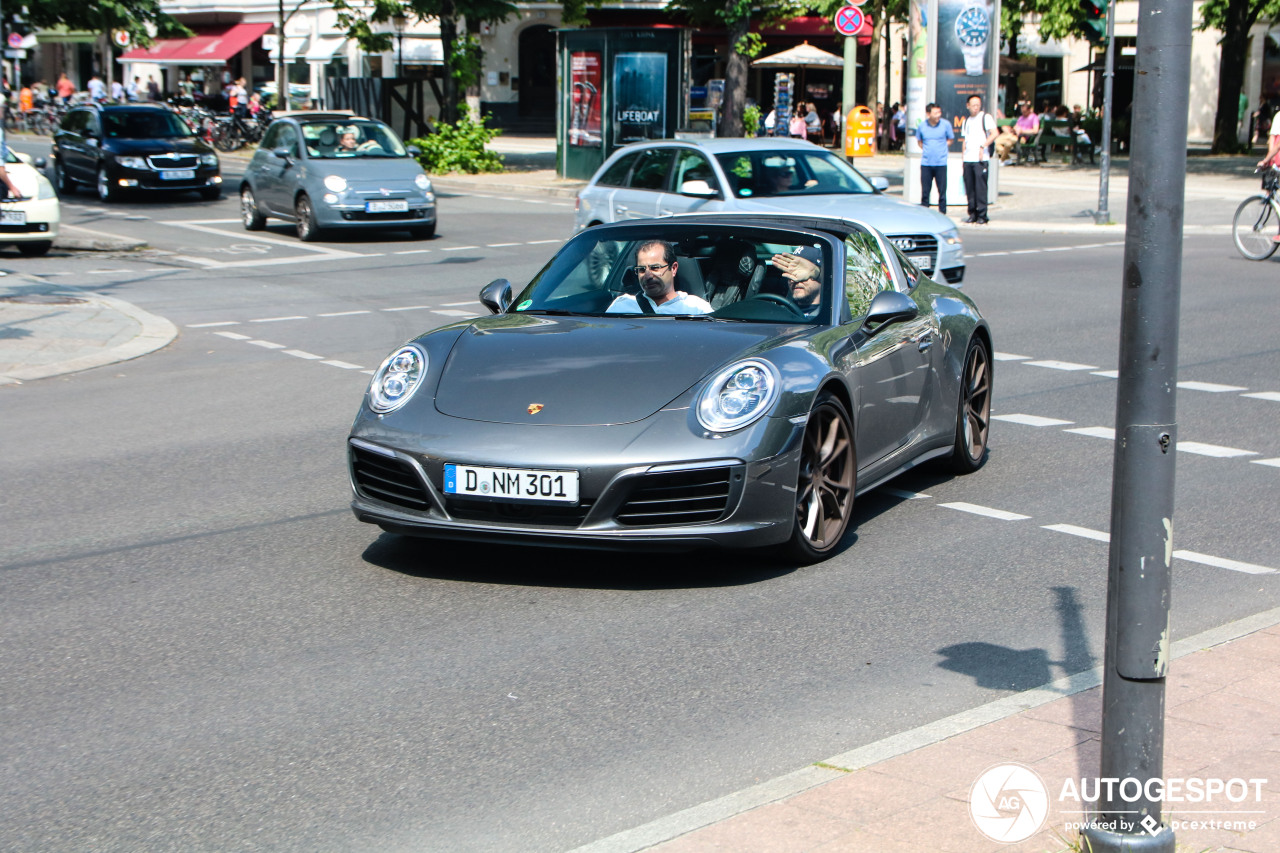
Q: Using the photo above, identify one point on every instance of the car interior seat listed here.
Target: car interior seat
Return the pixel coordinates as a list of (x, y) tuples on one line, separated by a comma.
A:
[(328, 140), (689, 277), (734, 275)]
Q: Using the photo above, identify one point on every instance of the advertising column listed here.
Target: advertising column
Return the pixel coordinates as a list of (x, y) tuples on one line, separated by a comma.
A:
[(919, 89), (967, 57)]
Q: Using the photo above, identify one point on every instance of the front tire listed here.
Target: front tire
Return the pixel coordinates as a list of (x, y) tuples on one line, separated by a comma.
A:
[(308, 231), (62, 181), (973, 411), (36, 249), (211, 193), (826, 483), (1253, 228), (106, 190), (423, 232)]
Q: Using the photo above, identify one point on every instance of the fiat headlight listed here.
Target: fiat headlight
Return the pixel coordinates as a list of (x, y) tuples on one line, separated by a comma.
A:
[(737, 396), (335, 183), (396, 380), (133, 162), (422, 182)]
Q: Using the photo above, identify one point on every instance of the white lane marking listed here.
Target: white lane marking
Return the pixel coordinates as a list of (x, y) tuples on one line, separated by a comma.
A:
[(297, 353), (540, 242), (500, 245), (453, 312), (345, 313), (1008, 356), (278, 319), (1274, 463), (370, 372), (267, 344), (1085, 532), (105, 272), (204, 262), (457, 248), (906, 495), (1059, 248), (412, 252), (460, 304), (987, 511), (1215, 450), (993, 254), (211, 325), (1211, 387), (1220, 563), (1026, 251), (1062, 365), (202, 225), (1110, 374), (1273, 396), (233, 336), (1095, 432), (345, 365), (1031, 420), (408, 308)]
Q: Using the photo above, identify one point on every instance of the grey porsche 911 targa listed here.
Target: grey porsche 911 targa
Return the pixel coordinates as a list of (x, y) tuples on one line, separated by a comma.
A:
[(730, 380)]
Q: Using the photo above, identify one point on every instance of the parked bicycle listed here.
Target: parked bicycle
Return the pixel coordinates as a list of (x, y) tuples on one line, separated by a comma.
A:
[(1256, 226)]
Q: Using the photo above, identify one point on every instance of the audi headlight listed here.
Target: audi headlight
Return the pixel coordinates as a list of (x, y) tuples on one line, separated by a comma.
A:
[(133, 162), (422, 182), (737, 396), (951, 237), (396, 380), (208, 159), (335, 183)]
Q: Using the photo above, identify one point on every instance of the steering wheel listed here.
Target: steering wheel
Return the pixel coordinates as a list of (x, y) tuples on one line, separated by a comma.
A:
[(779, 300)]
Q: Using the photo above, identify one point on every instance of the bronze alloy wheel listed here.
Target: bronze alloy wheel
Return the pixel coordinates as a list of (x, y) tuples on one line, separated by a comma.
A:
[(973, 417), (828, 477)]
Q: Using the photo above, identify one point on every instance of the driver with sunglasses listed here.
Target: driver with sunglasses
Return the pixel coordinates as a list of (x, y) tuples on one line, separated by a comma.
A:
[(656, 269)]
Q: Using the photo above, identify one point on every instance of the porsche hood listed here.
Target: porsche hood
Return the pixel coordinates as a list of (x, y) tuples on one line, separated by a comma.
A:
[(581, 371)]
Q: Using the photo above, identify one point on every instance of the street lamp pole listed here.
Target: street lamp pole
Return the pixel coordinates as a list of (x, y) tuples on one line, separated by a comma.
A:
[(399, 21)]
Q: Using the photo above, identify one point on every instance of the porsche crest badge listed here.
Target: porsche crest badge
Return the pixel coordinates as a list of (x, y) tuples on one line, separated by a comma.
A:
[(534, 408)]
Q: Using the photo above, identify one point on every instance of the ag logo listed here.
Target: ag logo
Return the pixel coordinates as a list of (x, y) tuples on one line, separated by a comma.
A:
[(1009, 803)]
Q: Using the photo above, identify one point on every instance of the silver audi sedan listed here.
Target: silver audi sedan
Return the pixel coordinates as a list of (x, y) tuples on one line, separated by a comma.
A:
[(767, 175)]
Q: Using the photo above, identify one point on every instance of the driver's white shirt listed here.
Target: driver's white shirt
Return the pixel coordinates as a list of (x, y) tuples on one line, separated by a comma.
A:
[(681, 303)]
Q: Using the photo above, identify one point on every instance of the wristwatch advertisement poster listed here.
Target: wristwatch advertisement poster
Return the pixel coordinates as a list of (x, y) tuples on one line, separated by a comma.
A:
[(968, 35)]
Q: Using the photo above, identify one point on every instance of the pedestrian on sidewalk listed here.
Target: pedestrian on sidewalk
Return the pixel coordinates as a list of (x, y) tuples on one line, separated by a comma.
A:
[(978, 133), (934, 135)]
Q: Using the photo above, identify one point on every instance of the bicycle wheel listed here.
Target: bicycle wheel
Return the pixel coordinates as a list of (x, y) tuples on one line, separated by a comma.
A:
[(1255, 226)]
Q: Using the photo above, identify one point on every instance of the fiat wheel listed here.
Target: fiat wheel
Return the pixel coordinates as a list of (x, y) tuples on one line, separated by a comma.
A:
[(250, 216), (306, 220)]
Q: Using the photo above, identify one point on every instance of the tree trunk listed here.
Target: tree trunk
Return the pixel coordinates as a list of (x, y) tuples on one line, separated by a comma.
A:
[(282, 76), (873, 78), (473, 87), (1233, 53), (735, 80), (449, 43)]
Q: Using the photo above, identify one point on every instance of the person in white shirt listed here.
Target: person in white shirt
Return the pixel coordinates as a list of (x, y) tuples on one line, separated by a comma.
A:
[(978, 132), (656, 269), (97, 89), (117, 91)]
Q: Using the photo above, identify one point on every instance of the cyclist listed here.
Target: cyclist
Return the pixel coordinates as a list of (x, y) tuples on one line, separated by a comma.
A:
[(1273, 149)]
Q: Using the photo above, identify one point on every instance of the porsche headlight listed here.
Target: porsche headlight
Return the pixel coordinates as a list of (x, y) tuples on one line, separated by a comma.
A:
[(422, 182), (737, 396), (133, 162), (335, 183), (396, 380)]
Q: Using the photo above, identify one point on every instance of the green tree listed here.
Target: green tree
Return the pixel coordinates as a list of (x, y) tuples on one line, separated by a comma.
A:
[(140, 18), (743, 45), (1234, 19)]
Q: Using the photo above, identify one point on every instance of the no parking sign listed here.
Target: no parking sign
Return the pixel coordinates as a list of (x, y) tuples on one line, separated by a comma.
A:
[(849, 20)]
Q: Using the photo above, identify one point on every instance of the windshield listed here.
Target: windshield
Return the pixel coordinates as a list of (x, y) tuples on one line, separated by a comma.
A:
[(143, 124), (711, 273), (337, 139), (756, 174)]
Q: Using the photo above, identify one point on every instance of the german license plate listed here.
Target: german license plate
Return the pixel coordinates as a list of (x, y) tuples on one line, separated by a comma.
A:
[(516, 484), (924, 262), (177, 174), (13, 217), (393, 206)]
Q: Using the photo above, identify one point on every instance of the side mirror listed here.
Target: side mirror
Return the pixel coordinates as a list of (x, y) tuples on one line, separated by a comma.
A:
[(880, 182), (889, 306), (41, 163), (698, 189), (283, 153), (414, 151), (496, 295)]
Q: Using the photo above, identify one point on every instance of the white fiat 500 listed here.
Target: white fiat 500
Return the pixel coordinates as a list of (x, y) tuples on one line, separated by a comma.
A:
[(31, 224)]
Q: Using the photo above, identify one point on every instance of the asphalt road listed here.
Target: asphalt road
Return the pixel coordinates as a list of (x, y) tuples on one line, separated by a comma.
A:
[(203, 650)]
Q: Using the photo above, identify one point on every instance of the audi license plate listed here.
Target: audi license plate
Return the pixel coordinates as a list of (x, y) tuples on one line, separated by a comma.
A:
[(177, 174), (394, 206), (516, 484), (923, 262), (13, 217)]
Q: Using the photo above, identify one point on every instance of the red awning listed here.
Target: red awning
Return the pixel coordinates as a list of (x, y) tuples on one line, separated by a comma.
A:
[(206, 47)]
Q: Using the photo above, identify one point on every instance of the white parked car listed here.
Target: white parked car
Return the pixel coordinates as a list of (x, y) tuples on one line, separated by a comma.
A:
[(32, 224)]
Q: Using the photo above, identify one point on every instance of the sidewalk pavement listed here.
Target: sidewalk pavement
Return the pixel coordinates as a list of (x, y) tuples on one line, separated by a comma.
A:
[(910, 792)]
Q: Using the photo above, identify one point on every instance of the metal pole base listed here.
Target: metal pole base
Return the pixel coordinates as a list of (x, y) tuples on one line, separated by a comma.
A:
[(1098, 840)]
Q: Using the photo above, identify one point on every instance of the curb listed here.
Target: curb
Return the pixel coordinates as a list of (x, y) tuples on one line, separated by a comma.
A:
[(80, 239), (156, 333), (683, 822), (450, 184)]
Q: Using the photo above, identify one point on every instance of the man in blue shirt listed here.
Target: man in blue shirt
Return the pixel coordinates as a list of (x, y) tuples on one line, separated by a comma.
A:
[(934, 135)]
